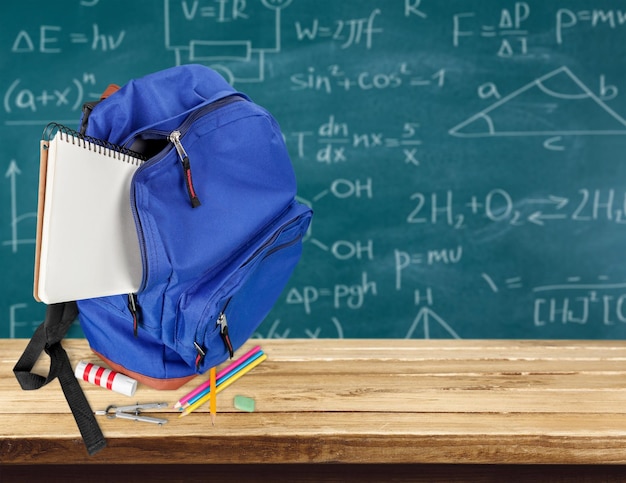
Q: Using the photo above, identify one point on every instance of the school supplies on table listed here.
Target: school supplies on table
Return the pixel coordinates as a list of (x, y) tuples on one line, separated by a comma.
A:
[(106, 378), (224, 378), (204, 386), (134, 413), (213, 400), (86, 243), (227, 381), (244, 403)]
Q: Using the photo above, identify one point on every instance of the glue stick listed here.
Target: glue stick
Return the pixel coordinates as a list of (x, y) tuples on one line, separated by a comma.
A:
[(105, 378)]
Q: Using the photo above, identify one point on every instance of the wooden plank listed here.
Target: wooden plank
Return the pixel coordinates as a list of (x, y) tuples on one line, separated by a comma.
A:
[(316, 391), (337, 438), (305, 398)]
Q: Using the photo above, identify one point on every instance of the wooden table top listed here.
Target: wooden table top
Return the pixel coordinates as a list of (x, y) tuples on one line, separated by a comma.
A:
[(353, 401)]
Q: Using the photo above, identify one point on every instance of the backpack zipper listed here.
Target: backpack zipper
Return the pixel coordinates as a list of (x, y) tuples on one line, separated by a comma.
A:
[(161, 134), (222, 321), (134, 311), (213, 106), (201, 354), (152, 133), (174, 138)]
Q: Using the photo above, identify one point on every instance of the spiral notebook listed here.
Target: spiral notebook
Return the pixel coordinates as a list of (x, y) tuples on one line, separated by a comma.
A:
[(87, 244)]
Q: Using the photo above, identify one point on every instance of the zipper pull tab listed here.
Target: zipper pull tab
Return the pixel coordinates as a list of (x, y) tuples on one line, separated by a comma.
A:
[(132, 306), (184, 159), (223, 323), (201, 353)]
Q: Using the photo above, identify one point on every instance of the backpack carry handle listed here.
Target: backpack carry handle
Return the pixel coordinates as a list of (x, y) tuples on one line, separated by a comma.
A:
[(47, 337)]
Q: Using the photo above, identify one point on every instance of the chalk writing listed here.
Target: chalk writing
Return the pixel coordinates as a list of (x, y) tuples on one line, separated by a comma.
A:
[(567, 19), (424, 320), (337, 142), (348, 32), (332, 330), (222, 34), (443, 256), (576, 302), (21, 98), (335, 78), (16, 220), (342, 295), (53, 39), (498, 205), (508, 30), (556, 88)]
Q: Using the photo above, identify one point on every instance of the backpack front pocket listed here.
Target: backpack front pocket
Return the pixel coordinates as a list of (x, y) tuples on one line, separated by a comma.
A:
[(218, 314)]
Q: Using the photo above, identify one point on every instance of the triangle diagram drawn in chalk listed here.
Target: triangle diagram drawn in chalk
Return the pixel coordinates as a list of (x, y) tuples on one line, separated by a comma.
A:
[(424, 317), (556, 104)]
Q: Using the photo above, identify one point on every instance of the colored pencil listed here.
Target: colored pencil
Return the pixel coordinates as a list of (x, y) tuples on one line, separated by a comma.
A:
[(223, 386), (220, 374), (222, 379), (213, 405)]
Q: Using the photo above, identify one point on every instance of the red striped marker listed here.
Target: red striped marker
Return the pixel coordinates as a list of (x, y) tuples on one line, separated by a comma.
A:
[(106, 378)]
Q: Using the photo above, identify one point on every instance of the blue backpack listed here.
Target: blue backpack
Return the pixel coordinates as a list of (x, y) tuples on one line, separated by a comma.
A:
[(219, 228)]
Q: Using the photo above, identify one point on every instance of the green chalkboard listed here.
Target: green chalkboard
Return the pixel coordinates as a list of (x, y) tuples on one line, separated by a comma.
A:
[(465, 159)]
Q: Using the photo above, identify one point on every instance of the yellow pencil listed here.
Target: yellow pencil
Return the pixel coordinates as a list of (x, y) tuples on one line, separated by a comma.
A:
[(213, 395), (223, 386)]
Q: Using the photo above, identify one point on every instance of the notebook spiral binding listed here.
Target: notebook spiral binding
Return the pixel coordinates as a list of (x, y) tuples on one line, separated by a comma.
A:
[(93, 144)]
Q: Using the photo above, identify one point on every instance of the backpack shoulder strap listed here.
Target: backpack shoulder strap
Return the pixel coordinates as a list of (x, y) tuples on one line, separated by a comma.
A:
[(47, 338)]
